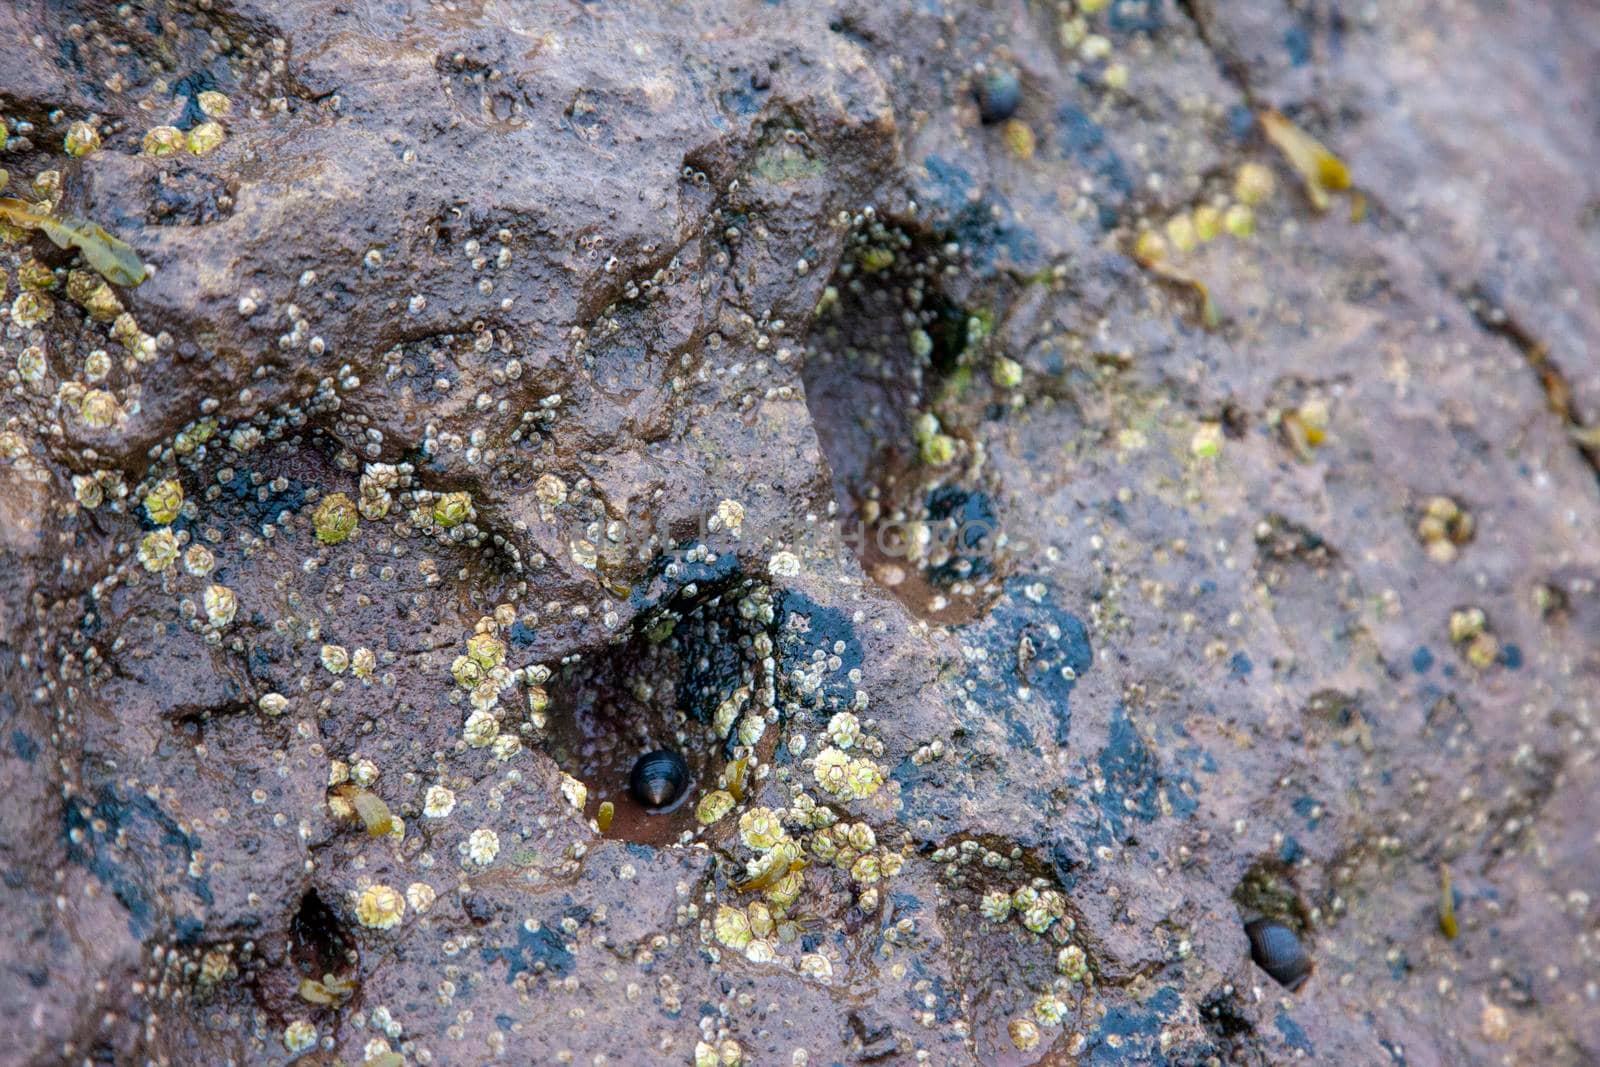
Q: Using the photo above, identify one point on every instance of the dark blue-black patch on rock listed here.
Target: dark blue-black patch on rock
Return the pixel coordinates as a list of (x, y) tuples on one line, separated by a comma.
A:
[(148, 870), (1293, 1035), (965, 523), (1030, 643), (1083, 141), (533, 947)]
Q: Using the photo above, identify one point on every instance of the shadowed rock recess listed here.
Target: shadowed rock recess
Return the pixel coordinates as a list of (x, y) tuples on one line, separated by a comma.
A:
[(1055, 535)]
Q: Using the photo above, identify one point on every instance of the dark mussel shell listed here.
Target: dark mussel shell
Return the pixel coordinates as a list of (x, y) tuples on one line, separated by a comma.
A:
[(1277, 950), (658, 778)]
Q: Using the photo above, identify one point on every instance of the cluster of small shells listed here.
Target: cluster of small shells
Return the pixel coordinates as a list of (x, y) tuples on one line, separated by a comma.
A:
[(1444, 527), (1183, 232), (1470, 633)]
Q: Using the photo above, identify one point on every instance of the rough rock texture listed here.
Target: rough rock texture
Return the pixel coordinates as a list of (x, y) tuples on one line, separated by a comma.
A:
[(712, 376)]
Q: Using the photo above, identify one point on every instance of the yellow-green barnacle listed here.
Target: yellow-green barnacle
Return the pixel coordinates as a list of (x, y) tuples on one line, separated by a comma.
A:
[(379, 907), (1073, 963), (550, 490), (466, 671), (81, 139), (823, 846), (786, 890), (860, 836), (486, 650), (481, 728), (1239, 221), (1181, 233), (713, 806), (1024, 1034), (205, 138), (193, 436), (86, 489), (363, 663), (32, 308), (31, 365), (891, 863), (995, 905), (96, 366), (921, 343), (374, 503), (843, 729), (1006, 373), (335, 519), (538, 699), (438, 802), (1049, 1009), (198, 561), (158, 550), (832, 768), (864, 777), (214, 105), (816, 965), (732, 927), (164, 500), (452, 509), (1254, 183), (299, 1035), (1023, 898), (160, 141), (751, 727), (728, 709), (865, 870), (335, 659), (485, 695), (99, 409), (1467, 623), (506, 746), (764, 871), (273, 703), (760, 829), (483, 845), (876, 258), (364, 772), (70, 394), (937, 448), (221, 605), (36, 276), (574, 791), (1047, 906), (761, 924)]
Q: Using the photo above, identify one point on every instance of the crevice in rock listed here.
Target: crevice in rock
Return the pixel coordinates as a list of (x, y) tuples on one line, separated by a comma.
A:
[(695, 675), (893, 384), (1493, 318)]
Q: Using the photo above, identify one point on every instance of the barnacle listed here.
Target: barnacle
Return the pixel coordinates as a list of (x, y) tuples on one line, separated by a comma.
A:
[(334, 519), (380, 907)]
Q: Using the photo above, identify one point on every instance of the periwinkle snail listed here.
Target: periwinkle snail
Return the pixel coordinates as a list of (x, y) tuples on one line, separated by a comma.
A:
[(658, 778), (999, 92), (1277, 950)]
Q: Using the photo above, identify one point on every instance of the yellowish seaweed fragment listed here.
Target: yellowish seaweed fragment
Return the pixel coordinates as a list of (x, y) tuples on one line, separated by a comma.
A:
[(1321, 170), (373, 812), (116, 260), (1447, 905)]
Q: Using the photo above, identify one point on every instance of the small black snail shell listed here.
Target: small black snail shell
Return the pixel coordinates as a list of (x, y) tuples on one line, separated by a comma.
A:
[(1278, 951), (999, 92), (658, 778)]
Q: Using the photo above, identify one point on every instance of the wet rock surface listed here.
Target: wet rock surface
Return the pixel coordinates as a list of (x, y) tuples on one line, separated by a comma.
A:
[(519, 389)]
